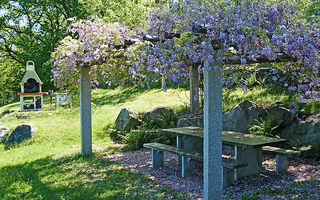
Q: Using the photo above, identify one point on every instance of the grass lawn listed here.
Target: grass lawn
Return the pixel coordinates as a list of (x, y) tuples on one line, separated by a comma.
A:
[(49, 166)]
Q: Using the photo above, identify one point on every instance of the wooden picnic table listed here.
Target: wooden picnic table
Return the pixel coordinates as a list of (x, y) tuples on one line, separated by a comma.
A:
[(248, 147)]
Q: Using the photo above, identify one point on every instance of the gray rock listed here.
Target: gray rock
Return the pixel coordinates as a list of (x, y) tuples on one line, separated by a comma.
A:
[(303, 133), (3, 131), (160, 117), (127, 120), (21, 133), (241, 117), (280, 114), (190, 121)]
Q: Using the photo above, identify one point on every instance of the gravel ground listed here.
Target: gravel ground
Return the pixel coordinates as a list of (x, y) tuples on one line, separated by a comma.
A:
[(300, 170)]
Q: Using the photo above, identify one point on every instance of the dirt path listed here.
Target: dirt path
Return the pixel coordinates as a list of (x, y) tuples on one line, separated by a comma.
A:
[(301, 169)]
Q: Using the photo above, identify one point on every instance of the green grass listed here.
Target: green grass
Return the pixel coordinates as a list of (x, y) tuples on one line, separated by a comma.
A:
[(265, 95), (73, 177), (49, 165)]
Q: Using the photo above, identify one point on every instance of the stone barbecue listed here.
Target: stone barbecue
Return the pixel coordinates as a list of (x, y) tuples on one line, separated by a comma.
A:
[(31, 96)]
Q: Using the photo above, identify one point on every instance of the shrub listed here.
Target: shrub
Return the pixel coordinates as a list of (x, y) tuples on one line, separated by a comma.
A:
[(265, 127), (136, 139)]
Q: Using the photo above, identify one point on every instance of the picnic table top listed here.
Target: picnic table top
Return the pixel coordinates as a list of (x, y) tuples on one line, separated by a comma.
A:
[(228, 137)]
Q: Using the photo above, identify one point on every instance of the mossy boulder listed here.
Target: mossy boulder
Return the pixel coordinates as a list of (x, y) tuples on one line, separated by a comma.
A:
[(127, 120), (21, 133), (241, 117), (160, 117), (303, 133)]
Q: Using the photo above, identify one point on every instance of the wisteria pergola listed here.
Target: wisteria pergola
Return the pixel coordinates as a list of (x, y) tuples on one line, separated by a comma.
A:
[(221, 40), (212, 141)]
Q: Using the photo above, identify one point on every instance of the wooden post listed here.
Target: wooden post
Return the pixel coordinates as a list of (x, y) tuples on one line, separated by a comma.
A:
[(212, 144), (85, 112), (194, 89)]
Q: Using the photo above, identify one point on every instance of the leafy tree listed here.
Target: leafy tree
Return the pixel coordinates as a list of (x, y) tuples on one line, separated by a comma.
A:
[(31, 29), (11, 75), (131, 13)]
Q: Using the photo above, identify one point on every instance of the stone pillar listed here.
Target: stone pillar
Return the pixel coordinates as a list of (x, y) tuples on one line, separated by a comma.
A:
[(282, 163), (85, 112), (194, 89), (212, 144)]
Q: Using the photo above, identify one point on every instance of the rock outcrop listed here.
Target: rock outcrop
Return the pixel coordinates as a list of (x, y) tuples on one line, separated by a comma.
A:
[(127, 120), (190, 121), (21, 133), (160, 117), (241, 117), (303, 133), (280, 114)]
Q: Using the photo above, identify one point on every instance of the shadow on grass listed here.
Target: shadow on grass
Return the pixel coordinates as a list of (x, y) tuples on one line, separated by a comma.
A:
[(127, 94), (73, 178)]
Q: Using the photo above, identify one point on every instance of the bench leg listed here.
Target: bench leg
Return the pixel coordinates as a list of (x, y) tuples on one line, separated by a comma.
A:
[(188, 166), (179, 145), (228, 177), (282, 163), (157, 158)]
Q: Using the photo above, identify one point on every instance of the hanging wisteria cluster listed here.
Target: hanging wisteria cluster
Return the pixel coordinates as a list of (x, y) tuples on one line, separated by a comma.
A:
[(192, 32), (96, 41)]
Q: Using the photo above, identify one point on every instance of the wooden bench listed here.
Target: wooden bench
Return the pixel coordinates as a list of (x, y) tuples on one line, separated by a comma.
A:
[(188, 161), (281, 156)]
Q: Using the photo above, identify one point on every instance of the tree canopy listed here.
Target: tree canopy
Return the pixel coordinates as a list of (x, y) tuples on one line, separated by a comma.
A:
[(32, 29)]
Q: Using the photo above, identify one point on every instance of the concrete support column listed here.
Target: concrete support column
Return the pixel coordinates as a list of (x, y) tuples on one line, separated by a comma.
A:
[(179, 145), (157, 158), (85, 112), (228, 177), (250, 155), (188, 166), (282, 163), (192, 144), (194, 89), (212, 144)]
